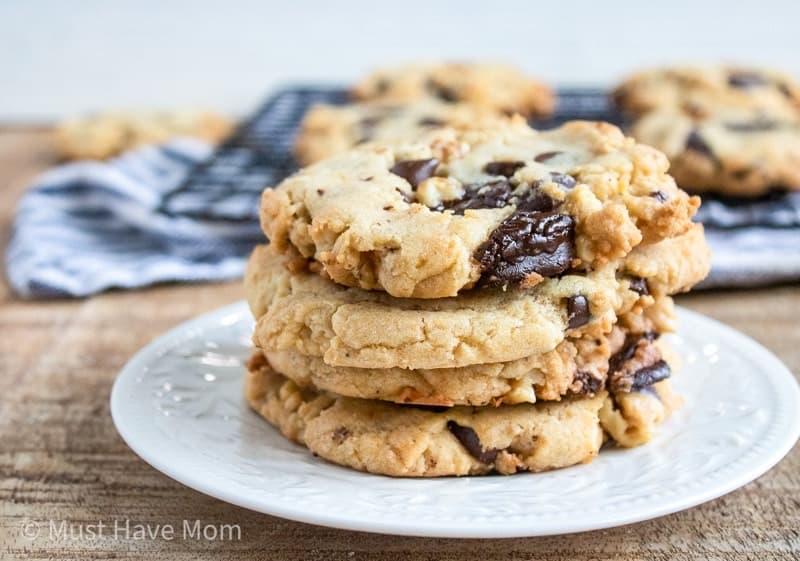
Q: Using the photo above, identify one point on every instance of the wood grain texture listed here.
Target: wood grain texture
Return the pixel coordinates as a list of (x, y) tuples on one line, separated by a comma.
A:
[(61, 459)]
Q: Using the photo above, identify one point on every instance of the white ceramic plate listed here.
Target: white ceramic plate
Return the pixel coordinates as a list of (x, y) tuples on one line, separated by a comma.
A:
[(178, 404)]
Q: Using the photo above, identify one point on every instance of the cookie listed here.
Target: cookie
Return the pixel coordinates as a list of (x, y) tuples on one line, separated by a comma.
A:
[(301, 311), (577, 366), (495, 86), (106, 135), (701, 91), (414, 441), (726, 130), (506, 206), (327, 130)]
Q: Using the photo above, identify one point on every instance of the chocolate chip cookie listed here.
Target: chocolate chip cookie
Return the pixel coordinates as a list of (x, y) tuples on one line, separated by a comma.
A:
[(734, 131), (503, 207), (419, 441), (498, 87), (327, 130), (348, 327), (103, 136)]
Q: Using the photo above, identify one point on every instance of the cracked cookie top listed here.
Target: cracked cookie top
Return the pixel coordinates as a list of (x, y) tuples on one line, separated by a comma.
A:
[(501, 207), (498, 87)]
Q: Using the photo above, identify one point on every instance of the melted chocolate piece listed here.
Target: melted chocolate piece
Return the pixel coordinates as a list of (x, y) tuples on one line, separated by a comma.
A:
[(536, 200), (566, 181), (746, 80), (618, 359), (544, 156), (494, 194), (430, 122), (589, 385), (442, 92), (695, 142), (784, 89), (649, 375), (759, 125), (415, 171), (639, 285), (469, 440), (659, 196), (527, 242), (505, 169), (577, 311)]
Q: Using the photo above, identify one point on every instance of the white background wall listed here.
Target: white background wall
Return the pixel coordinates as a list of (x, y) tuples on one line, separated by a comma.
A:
[(59, 57)]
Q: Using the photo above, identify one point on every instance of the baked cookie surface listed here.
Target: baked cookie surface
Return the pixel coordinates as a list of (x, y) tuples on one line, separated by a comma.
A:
[(410, 441), (103, 136), (578, 366), (327, 130), (498, 87), (504, 206), (302, 312), (734, 131)]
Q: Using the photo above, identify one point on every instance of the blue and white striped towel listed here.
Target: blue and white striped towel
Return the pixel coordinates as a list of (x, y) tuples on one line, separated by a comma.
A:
[(89, 226)]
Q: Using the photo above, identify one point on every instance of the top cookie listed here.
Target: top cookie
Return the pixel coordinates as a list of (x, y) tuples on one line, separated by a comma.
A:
[(103, 136), (500, 207), (728, 130), (496, 86)]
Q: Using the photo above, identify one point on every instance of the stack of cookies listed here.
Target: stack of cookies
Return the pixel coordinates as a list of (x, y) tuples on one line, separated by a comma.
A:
[(463, 301)]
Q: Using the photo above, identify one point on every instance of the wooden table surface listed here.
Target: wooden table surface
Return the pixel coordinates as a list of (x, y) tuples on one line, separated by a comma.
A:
[(62, 460)]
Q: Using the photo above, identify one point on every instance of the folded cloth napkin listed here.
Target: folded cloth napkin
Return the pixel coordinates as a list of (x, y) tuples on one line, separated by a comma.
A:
[(182, 213), (89, 226)]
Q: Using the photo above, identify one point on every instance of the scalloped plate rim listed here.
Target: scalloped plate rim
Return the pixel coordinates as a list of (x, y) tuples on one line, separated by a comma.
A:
[(444, 529)]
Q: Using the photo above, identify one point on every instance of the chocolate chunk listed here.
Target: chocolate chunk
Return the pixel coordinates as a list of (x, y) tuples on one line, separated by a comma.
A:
[(537, 200), (415, 171), (469, 440), (498, 194), (784, 89), (659, 196), (430, 122), (695, 142), (544, 156), (527, 242), (505, 169), (746, 80), (639, 285), (577, 311), (442, 92), (494, 194), (649, 375), (566, 181), (583, 383), (632, 340), (758, 125)]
